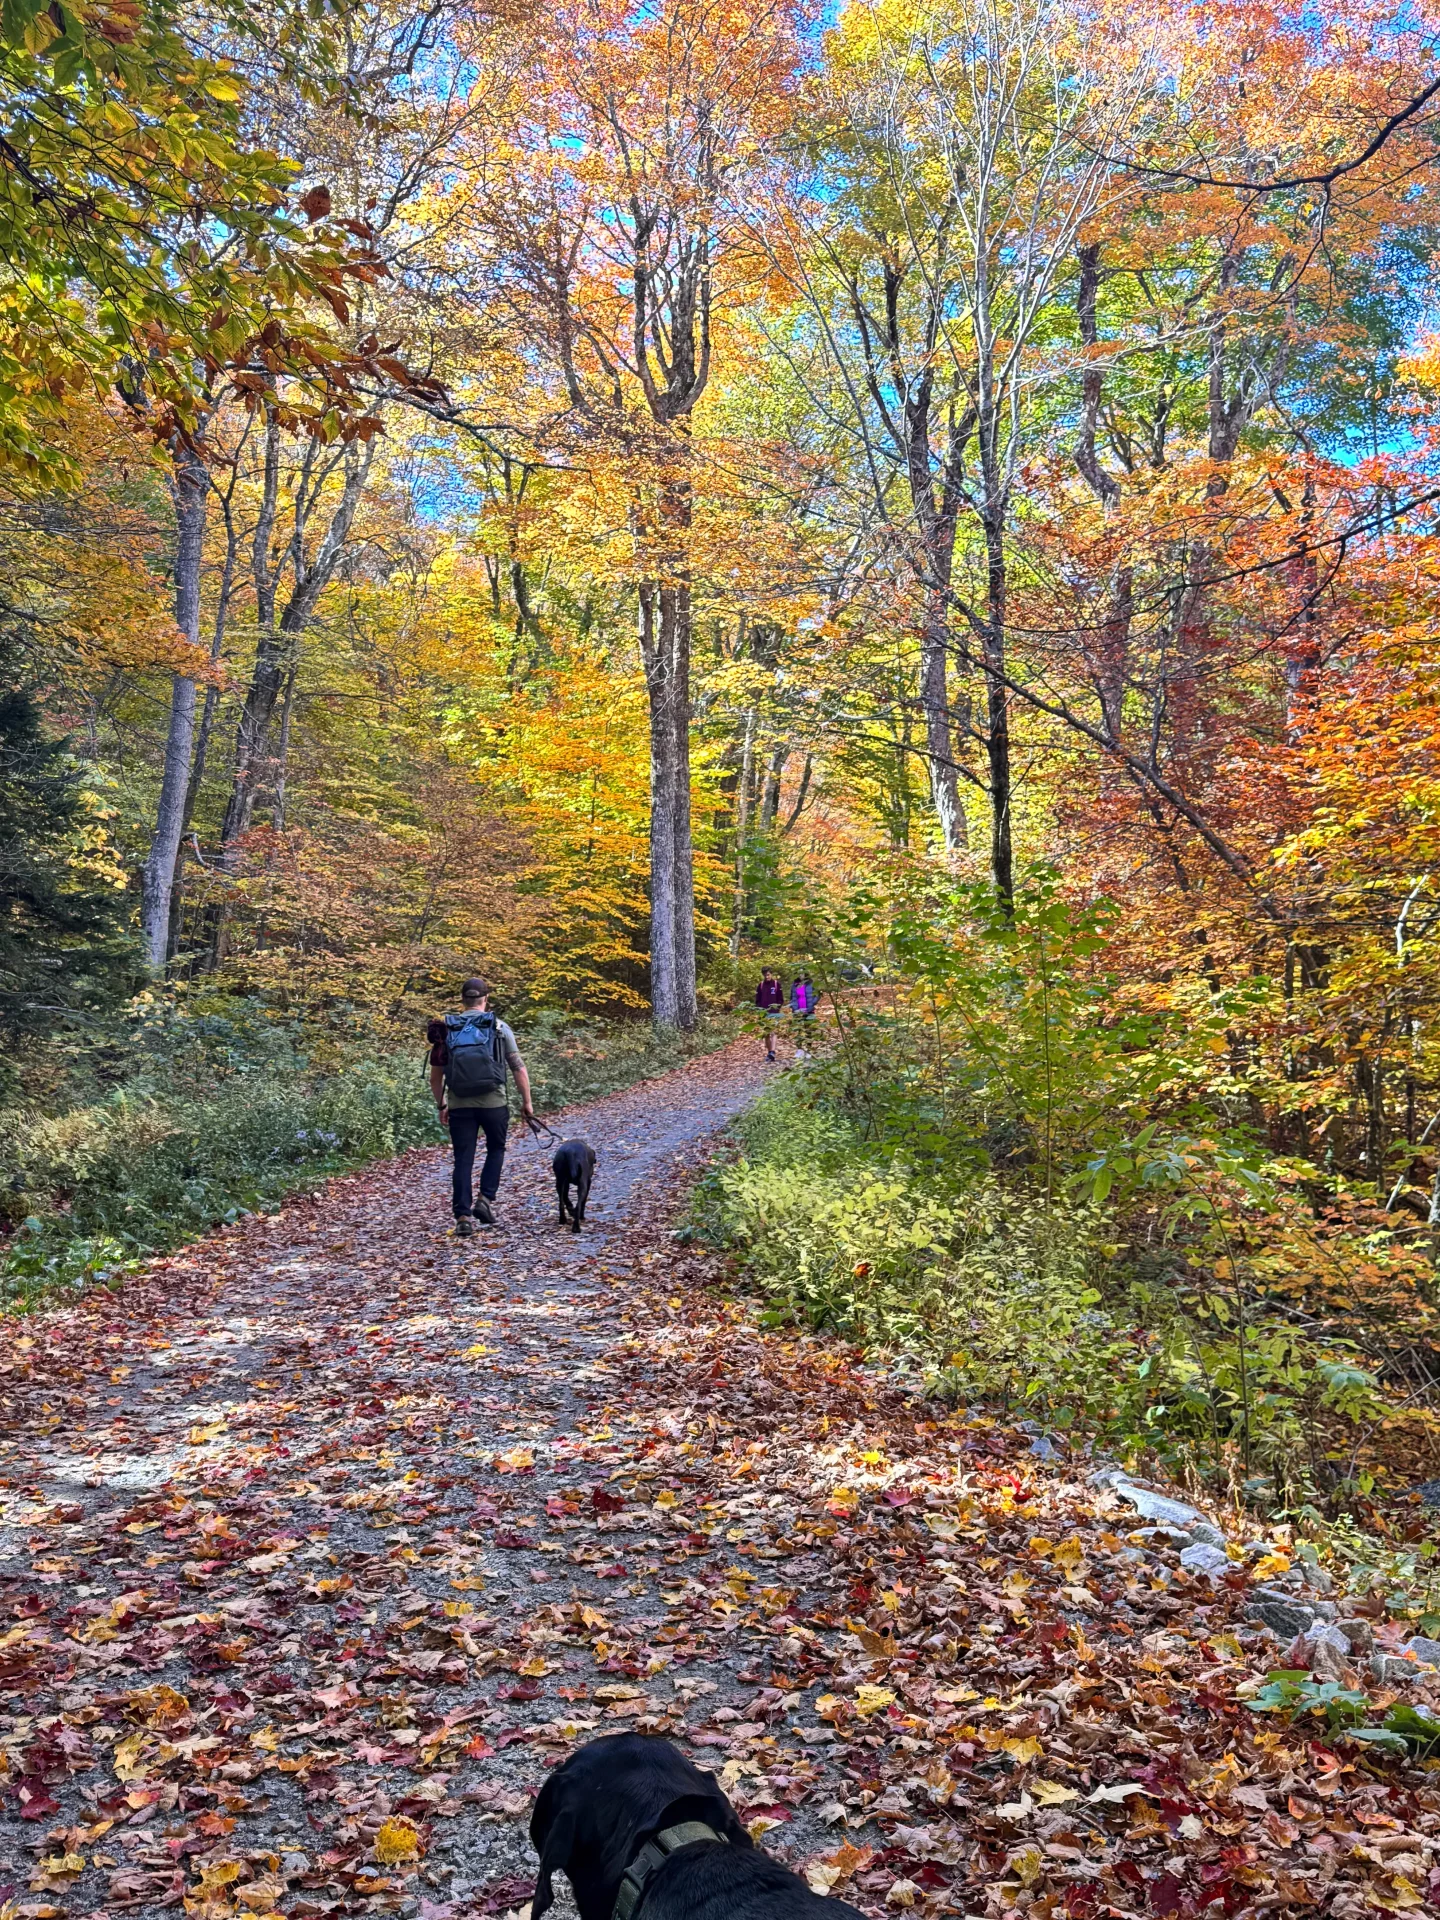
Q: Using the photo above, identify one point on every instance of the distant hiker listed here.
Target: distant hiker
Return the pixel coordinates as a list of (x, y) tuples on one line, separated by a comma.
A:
[(802, 1005), (770, 998), (469, 1052)]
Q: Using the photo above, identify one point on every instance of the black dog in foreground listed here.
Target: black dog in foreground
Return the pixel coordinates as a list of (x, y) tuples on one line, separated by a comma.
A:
[(574, 1165), (629, 1820)]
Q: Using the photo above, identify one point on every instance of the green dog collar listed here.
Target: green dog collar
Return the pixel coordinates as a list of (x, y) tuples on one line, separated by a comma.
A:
[(689, 1833)]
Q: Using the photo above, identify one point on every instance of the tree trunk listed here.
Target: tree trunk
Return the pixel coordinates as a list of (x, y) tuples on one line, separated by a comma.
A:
[(264, 688), (675, 616), (665, 635), (206, 728), (664, 997), (774, 774), (188, 486), (742, 830), (939, 735), (282, 766), (251, 743), (997, 731), (801, 796)]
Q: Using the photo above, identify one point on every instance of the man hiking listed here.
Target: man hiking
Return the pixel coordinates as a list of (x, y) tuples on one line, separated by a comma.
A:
[(469, 1052), (770, 998)]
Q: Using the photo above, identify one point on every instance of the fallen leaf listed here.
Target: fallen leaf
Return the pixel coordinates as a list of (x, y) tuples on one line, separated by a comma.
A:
[(1049, 1793), (870, 1700), (397, 1840)]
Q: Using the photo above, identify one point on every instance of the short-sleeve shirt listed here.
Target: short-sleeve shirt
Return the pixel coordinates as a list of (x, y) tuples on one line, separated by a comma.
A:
[(440, 1057)]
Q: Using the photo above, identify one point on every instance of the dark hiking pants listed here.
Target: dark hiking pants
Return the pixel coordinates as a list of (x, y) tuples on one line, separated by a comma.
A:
[(466, 1126)]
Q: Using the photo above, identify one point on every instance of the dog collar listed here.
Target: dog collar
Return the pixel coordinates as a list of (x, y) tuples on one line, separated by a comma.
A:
[(689, 1833)]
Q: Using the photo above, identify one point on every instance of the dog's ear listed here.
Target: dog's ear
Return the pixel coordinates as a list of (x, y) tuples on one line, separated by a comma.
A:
[(556, 1851)]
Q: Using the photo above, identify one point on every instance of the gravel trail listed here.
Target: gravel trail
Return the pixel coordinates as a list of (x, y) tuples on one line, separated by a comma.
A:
[(326, 1537)]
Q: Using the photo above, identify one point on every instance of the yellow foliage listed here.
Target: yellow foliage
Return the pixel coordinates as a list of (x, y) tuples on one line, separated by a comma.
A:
[(397, 1841)]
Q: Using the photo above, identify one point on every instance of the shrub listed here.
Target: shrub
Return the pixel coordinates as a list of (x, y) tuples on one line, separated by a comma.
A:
[(1006, 1298), (995, 1293)]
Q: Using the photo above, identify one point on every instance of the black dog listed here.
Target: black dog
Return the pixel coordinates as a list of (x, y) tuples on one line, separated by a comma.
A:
[(574, 1165), (631, 1808)]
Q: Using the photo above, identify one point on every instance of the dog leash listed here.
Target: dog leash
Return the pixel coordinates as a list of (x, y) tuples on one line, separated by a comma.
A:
[(689, 1833), (539, 1128)]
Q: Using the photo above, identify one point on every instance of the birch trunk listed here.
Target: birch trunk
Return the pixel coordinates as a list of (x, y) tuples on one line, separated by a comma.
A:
[(188, 487), (742, 830), (665, 647)]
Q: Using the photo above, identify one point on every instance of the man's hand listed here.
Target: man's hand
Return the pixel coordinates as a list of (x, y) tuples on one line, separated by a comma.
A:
[(444, 1113)]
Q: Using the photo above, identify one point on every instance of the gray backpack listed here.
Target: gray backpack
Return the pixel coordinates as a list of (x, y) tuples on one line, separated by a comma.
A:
[(474, 1058)]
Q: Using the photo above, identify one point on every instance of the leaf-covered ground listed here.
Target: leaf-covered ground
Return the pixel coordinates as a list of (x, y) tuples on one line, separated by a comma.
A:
[(326, 1538)]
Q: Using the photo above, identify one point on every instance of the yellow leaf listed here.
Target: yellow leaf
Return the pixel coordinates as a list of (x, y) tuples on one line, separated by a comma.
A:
[(260, 1896), (1050, 1793), (63, 1863), (890, 1600), (534, 1667), (1401, 1895), (870, 1700), (1069, 1555), (397, 1840), (220, 1873), (1022, 1751), (820, 1878), (665, 1498), (1272, 1564), (200, 1436), (515, 1461), (266, 1739), (126, 1759), (1025, 1863)]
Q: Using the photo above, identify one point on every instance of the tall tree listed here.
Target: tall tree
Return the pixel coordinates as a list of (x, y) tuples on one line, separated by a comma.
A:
[(954, 157), (190, 485), (618, 231)]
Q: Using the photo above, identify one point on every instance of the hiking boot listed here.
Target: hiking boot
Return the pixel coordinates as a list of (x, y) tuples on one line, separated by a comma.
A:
[(484, 1212), (464, 1226)]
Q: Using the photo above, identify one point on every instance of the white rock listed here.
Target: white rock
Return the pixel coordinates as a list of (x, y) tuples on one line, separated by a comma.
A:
[(1203, 1558), (1329, 1652), (1154, 1506)]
